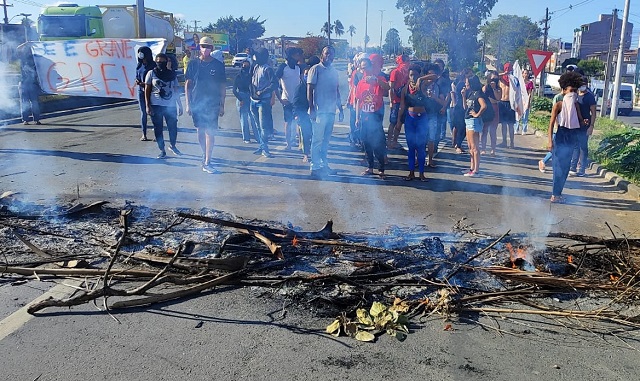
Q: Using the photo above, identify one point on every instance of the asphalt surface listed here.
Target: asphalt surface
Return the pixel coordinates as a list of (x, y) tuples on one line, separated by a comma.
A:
[(97, 155)]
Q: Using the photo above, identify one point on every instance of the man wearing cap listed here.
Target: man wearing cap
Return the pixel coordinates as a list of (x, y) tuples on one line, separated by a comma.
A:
[(204, 97)]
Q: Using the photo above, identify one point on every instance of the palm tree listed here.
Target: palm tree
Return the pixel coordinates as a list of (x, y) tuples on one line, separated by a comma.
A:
[(338, 28), (326, 28), (351, 31)]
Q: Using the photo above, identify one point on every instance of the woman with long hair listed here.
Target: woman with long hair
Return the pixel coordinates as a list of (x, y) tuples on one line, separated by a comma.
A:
[(475, 105), (145, 65), (492, 93)]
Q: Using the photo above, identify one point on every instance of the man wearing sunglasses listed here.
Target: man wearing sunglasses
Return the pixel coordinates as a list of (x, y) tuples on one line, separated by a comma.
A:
[(204, 97)]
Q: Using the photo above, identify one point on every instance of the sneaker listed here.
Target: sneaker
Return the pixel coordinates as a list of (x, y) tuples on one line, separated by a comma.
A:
[(162, 155), (209, 169), (25, 123), (246, 141), (38, 122), (523, 133), (258, 151), (580, 174), (541, 166), (573, 173), (174, 150), (267, 154), (470, 174)]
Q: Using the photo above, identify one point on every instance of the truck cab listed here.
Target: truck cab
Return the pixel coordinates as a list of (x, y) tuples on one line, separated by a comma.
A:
[(70, 22), (625, 98)]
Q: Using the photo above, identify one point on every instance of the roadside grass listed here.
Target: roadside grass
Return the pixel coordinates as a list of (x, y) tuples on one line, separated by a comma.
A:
[(613, 144)]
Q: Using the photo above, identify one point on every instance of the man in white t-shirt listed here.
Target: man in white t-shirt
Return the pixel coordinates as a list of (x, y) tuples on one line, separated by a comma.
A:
[(324, 97), (288, 75)]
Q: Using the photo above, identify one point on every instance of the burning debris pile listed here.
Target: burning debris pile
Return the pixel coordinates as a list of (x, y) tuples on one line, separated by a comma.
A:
[(136, 256)]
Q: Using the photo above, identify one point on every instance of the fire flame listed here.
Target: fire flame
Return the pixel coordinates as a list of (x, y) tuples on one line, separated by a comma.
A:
[(570, 259), (613, 278), (295, 241), (519, 253)]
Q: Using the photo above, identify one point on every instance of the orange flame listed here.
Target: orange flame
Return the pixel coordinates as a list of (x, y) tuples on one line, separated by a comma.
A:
[(519, 253), (570, 259), (448, 327), (295, 241), (613, 278)]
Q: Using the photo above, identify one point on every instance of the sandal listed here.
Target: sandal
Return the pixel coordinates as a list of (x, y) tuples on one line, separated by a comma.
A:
[(381, 175), (431, 165), (557, 200), (144, 139), (367, 172), (423, 179), (409, 177)]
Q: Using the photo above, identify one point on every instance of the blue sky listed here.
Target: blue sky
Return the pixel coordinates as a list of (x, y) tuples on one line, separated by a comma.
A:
[(297, 17)]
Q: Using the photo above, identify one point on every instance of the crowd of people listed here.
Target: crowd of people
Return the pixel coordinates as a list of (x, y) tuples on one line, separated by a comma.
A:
[(422, 97)]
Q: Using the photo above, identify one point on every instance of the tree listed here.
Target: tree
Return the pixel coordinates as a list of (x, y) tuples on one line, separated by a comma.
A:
[(312, 45), (392, 43), (179, 25), (326, 28), (338, 28), (446, 26), (508, 37), (241, 32), (591, 67), (351, 31)]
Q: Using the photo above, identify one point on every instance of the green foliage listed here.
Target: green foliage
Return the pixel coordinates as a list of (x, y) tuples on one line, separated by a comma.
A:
[(620, 153), (541, 104), (239, 30), (591, 67), (446, 26), (392, 42), (338, 28), (511, 36)]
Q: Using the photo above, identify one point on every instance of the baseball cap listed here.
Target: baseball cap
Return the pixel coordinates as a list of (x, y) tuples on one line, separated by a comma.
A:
[(206, 40), (571, 67)]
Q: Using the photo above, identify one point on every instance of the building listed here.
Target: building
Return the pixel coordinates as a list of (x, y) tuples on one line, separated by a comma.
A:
[(629, 61), (594, 37)]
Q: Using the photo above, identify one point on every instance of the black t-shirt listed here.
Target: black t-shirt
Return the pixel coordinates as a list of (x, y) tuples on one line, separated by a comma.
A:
[(473, 103), (585, 102), (207, 78)]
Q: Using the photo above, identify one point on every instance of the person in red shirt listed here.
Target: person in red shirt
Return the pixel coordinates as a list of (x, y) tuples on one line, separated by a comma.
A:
[(398, 80), (369, 96)]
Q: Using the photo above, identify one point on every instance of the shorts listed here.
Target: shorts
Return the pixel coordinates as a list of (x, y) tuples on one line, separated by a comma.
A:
[(507, 115), (474, 124), (207, 120), (288, 113), (393, 115)]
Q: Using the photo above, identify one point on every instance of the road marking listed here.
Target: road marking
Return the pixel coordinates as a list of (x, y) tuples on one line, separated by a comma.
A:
[(19, 318)]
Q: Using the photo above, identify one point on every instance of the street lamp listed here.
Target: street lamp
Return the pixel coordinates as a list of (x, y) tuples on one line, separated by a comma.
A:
[(25, 15)]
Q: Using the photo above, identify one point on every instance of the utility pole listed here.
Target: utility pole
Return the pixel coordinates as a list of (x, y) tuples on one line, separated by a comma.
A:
[(607, 69), (543, 79), (366, 25), (142, 26), (195, 27), (381, 16), (616, 83), (328, 22), (5, 5)]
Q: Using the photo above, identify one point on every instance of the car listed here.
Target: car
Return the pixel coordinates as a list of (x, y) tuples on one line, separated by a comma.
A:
[(548, 91), (239, 58)]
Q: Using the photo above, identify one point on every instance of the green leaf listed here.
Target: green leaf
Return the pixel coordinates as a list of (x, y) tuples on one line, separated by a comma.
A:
[(402, 320), (365, 336), (364, 317), (377, 308), (383, 320), (401, 336), (334, 328)]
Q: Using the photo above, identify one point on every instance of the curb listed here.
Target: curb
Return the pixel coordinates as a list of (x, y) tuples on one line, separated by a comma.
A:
[(615, 179)]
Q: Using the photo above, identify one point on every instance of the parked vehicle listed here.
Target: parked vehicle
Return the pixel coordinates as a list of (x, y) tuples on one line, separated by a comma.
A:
[(71, 22), (239, 58), (548, 91), (625, 97)]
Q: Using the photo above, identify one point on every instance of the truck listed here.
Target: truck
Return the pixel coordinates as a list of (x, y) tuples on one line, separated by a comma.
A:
[(625, 97), (72, 22)]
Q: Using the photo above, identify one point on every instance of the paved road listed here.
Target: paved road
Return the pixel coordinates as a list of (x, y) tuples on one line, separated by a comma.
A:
[(98, 155)]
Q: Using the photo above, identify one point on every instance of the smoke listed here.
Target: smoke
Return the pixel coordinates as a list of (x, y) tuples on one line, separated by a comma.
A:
[(9, 104)]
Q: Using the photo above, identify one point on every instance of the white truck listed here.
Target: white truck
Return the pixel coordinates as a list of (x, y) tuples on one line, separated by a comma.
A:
[(626, 95)]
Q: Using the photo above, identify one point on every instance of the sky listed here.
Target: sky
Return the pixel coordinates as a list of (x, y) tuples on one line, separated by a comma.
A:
[(298, 17)]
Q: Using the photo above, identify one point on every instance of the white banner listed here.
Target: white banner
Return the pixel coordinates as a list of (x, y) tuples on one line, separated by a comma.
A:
[(91, 68)]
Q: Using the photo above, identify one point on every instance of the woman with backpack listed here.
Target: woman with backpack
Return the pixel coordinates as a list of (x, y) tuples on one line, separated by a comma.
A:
[(475, 104)]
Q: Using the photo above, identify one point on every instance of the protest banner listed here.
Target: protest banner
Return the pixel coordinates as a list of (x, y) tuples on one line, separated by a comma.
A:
[(93, 68)]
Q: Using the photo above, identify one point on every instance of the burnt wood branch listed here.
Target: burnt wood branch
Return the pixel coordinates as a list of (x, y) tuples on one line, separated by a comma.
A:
[(74, 211), (195, 264)]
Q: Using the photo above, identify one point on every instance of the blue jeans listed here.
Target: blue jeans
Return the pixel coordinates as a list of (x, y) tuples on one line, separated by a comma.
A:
[(580, 152), (563, 145), (262, 119), (306, 130), (322, 130), (170, 115), (143, 112), (354, 131), (524, 121), (243, 111), (29, 102), (415, 130)]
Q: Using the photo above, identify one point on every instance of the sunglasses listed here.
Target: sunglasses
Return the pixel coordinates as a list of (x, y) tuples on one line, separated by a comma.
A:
[(206, 46)]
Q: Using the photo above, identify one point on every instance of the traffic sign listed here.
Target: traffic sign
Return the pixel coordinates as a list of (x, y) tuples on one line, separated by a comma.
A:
[(538, 58)]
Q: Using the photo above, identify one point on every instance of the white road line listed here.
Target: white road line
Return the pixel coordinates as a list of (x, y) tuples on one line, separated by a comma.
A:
[(19, 318)]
